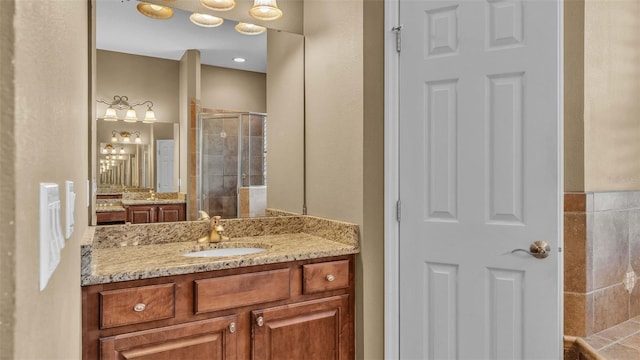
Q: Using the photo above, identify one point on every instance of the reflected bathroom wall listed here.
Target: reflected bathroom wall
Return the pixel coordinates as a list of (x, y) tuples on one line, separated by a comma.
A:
[(232, 168)]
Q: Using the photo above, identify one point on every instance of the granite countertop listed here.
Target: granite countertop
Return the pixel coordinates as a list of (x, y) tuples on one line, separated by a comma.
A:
[(152, 202), (140, 251)]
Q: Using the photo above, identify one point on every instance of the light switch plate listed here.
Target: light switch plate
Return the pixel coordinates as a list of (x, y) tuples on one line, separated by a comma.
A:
[(49, 231), (70, 208)]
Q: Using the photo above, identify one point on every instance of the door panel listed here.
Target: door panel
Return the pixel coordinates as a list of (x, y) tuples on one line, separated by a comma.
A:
[(479, 176)]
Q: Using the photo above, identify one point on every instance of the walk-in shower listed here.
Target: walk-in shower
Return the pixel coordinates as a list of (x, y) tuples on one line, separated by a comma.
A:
[(232, 164)]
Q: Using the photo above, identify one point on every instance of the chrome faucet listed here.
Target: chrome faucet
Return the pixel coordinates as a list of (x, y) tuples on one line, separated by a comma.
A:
[(216, 232)]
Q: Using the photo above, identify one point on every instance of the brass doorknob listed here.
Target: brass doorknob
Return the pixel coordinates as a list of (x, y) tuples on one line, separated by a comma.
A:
[(538, 249)]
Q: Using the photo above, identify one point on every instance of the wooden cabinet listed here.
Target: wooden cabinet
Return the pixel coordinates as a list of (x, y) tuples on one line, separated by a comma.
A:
[(294, 310), (309, 330), (139, 214)]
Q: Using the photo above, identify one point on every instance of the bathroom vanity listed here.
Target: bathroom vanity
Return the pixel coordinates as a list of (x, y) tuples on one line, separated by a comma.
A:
[(294, 300)]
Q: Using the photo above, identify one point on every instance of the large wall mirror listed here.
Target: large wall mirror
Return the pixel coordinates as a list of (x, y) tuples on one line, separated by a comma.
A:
[(250, 118)]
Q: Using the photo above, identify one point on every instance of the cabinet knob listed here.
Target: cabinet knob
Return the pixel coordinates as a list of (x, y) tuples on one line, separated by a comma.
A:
[(330, 278), (139, 307), (260, 321), (232, 327)]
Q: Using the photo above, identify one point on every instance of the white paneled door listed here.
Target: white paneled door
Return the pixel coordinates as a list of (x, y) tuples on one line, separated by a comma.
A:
[(479, 174)]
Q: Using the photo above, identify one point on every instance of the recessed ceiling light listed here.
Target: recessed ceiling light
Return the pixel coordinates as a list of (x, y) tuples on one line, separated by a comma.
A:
[(155, 11), (239, 59), (249, 29), (219, 5), (205, 20)]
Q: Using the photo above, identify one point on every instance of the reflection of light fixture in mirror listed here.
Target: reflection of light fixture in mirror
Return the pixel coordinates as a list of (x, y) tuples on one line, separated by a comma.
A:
[(239, 59), (249, 29), (265, 10), (155, 11), (108, 149), (219, 5), (110, 114), (149, 115), (205, 20), (122, 103), (125, 136), (121, 149)]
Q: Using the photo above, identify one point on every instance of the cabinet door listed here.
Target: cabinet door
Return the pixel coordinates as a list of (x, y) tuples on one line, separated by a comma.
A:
[(319, 329), (141, 214), (206, 339), (173, 212)]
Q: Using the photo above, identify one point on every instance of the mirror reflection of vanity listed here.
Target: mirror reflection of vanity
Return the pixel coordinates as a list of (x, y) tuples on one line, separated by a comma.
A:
[(163, 82)]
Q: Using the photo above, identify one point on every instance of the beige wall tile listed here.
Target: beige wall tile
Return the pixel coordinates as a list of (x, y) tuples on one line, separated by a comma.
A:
[(611, 307)]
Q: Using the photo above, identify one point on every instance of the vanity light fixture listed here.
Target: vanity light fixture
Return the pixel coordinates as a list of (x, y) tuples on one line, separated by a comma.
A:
[(219, 5), (265, 10), (205, 20), (125, 137), (122, 103), (108, 149), (155, 11), (249, 29)]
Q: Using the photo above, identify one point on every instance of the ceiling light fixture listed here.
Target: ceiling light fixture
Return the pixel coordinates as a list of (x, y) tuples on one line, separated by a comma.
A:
[(219, 5), (122, 103), (249, 29), (265, 10), (155, 11), (205, 20)]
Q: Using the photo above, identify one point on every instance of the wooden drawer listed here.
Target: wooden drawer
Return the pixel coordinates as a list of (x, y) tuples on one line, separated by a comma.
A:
[(239, 290), (110, 216), (136, 305), (325, 276)]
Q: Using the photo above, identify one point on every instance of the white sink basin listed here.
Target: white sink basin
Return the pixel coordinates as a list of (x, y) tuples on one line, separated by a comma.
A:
[(225, 252)]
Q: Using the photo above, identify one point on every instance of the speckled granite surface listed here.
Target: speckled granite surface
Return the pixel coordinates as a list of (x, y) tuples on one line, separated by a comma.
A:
[(152, 202), (128, 252)]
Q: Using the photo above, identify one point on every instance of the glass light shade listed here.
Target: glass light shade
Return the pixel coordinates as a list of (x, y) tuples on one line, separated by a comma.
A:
[(121, 149), (131, 116), (149, 116), (126, 139), (205, 20), (155, 11), (249, 29), (219, 5), (138, 140), (114, 138), (113, 151), (265, 10), (110, 114), (104, 151)]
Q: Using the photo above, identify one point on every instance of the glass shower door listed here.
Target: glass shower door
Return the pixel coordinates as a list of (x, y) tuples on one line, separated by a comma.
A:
[(231, 156)]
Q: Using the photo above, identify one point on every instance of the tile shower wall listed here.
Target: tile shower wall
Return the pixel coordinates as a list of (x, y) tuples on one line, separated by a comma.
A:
[(601, 260)]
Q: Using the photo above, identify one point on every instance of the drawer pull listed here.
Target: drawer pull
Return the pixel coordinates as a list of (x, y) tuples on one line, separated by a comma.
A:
[(232, 327), (139, 307), (330, 278), (260, 321)]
